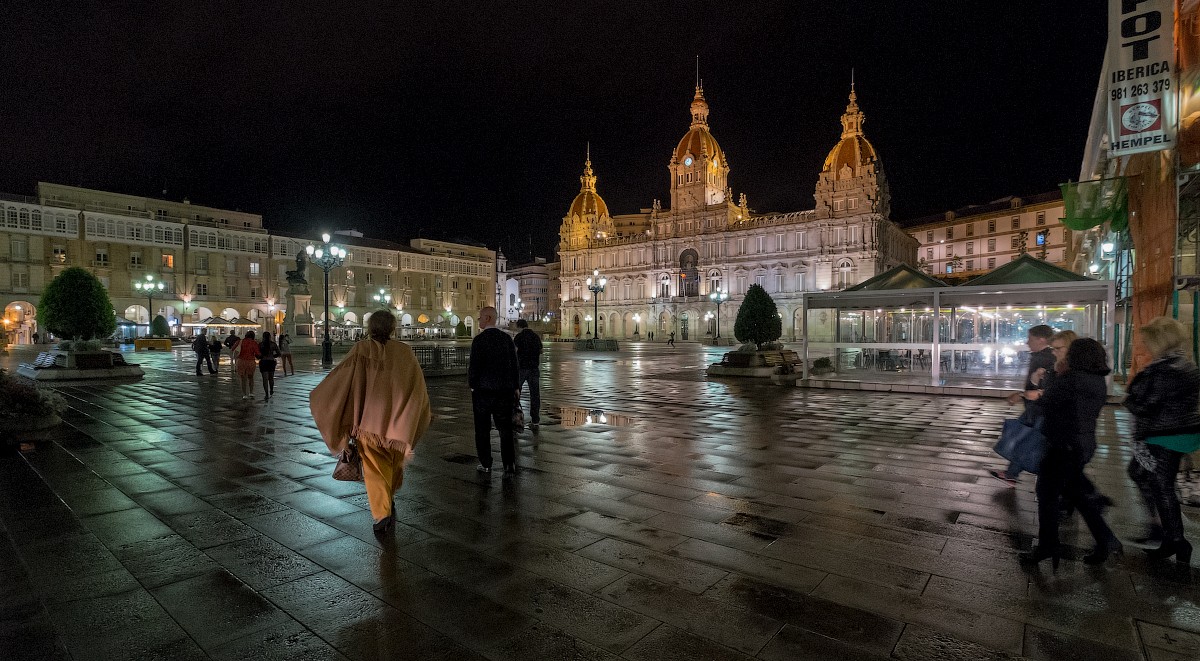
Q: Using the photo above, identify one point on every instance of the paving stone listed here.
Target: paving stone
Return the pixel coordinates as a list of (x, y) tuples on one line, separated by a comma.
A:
[(921, 644), (796, 643), (570, 569), (261, 562), (163, 560), (708, 618), (668, 643), (126, 527), (367, 566), (691, 576), (618, 528), (293, 529), (783, 573), (210, 527), (143, 630), (542, 642), (289, 641), (216, 608)]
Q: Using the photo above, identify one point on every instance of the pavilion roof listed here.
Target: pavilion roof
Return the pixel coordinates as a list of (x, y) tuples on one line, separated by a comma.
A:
[(1025, 270), (900, 277)]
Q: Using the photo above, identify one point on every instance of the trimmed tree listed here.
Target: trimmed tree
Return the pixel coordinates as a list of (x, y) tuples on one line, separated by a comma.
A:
[(159, 327), (75, 306), (461, 329), (757, 319)]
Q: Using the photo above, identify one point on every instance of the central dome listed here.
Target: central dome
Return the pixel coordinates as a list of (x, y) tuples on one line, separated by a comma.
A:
[(588, 201), (854, 150)]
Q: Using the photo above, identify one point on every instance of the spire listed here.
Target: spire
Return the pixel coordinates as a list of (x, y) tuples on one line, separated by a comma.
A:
[(588, 180), (852, 120), (699, 108)]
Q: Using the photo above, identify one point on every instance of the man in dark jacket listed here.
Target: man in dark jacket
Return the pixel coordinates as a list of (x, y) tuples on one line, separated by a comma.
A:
[(529, 353), (200, 346), (1041, 363), (494, 378)]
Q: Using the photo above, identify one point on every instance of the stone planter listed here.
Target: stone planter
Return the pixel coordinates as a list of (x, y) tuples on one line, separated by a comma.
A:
[(79, 365), (152, 344)]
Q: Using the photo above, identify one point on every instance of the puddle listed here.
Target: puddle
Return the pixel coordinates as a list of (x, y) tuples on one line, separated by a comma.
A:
[(461, 458), (578, 416), (759, 526)]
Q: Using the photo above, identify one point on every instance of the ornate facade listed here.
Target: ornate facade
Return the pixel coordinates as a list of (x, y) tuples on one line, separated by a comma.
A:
[(662, 264)]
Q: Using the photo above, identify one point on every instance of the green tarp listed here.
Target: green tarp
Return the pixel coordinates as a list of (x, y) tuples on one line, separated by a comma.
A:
[(1089, 204)]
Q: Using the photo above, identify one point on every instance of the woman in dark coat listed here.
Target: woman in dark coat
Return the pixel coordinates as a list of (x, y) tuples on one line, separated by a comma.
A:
[(1163, 399), (1072, 403)]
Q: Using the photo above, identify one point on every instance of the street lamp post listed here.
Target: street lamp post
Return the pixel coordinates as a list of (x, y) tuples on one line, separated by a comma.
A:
[(148, 287), (327, 257), (718, 297), (588, 319), (595, 284), (383, 297)]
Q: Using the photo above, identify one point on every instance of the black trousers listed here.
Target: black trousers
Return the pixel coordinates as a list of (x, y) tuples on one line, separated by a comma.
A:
[(202, 358), (1061, 477), (494, 406), (1158, 489)]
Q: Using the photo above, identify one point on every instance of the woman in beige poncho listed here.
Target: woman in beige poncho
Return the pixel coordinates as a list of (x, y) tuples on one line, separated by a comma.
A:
[(377, 396)]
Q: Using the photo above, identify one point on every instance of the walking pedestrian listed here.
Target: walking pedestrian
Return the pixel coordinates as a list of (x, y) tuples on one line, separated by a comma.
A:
[(1041, 361), (269, 351), (231, 340), (1073, 402), (529, 355), (377, 397), (215, 350), (495, 381), (671, 340), (285, 353), (203, 352), (244, 355), (1163, 399)]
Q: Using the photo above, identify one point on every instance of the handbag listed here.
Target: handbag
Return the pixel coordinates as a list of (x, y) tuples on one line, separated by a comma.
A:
[(349, 463), (518, 418), (1022, 443)]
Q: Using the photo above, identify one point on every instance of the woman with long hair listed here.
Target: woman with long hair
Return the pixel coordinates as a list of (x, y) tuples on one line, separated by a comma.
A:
[(1163, 399), (376, 396), (1072, 402), (269, 351), (245, 354)]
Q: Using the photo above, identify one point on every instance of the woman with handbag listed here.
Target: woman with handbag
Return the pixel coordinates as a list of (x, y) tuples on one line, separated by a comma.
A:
[(374, 403), (269, 351), (1072, 402), (1163, 399), (245, 355)]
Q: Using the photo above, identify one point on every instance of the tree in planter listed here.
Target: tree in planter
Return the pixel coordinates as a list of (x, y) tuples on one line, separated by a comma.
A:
[(75, 306), (757, 319), (159, 327), (461, 329)]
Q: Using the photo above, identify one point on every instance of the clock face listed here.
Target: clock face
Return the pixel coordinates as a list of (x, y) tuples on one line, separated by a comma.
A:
[(1139, 117), (687, 161)]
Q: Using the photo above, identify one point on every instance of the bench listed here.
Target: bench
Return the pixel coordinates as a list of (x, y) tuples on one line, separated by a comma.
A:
[(784, 357)]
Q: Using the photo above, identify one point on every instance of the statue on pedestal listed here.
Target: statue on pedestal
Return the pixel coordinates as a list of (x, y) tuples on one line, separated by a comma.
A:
[(297, 283)]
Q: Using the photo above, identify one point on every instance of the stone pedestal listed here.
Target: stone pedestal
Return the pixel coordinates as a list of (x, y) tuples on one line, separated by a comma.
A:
[(297, 319)]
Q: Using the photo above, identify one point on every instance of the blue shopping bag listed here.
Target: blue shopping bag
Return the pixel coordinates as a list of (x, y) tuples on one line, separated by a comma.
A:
[(1022, 443)]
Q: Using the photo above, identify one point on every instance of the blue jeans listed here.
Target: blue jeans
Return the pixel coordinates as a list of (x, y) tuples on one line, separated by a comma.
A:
[(530, 375)]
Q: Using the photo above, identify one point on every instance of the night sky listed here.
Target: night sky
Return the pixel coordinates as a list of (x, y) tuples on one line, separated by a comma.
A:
[(470, 119)]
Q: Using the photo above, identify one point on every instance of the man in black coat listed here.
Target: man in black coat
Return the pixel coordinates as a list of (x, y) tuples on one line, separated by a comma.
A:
[(494, 378), (203, 354), (529, 354)]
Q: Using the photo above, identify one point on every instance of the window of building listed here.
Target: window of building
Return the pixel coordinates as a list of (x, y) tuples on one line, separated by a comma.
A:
[(970, 265), (230, 264), (970, 229), (949, 251), (231, 290), (1014, 243), (20, 280), (407, 281), (370, 278), (761, 242), (949, 268), (202, 289), (929, 253), (254, 292), (1016, 222), (135, 260), (778, 282), (20, 248), (664, 287), (778, 243), (949, 232), (387, 280), (101, 256), (929, 236), (991, 263), (761, 280), (254, 267), (742, 245), (741, 284), (1041, 218), (60, 254), (839, 205), (991, 226), (991, 245), (852, 203), (168, 260), (800, 241), (1041, 238), (970, 247), (202, 263)]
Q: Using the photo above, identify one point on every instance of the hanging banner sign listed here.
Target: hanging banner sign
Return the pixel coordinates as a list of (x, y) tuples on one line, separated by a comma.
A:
[(1141, 76)]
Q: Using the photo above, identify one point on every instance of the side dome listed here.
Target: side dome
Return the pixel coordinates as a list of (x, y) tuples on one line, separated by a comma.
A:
[(588, 201), (854, 150)]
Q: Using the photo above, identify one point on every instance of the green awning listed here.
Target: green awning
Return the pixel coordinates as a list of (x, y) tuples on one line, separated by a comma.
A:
[(901, 277), (1025, 270)]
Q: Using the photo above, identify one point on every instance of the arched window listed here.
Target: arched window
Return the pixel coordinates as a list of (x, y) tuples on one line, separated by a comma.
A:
[(714, 280), (664, 286), (842, 273)]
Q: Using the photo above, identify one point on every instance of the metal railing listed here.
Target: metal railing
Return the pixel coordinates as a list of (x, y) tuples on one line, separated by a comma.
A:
[(434, 358)]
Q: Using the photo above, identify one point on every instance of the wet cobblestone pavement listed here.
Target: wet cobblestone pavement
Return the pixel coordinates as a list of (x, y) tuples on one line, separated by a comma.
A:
[(659, 515)]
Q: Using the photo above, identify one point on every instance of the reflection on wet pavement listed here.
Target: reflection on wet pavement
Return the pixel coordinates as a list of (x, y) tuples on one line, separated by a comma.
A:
[(690, 519)]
